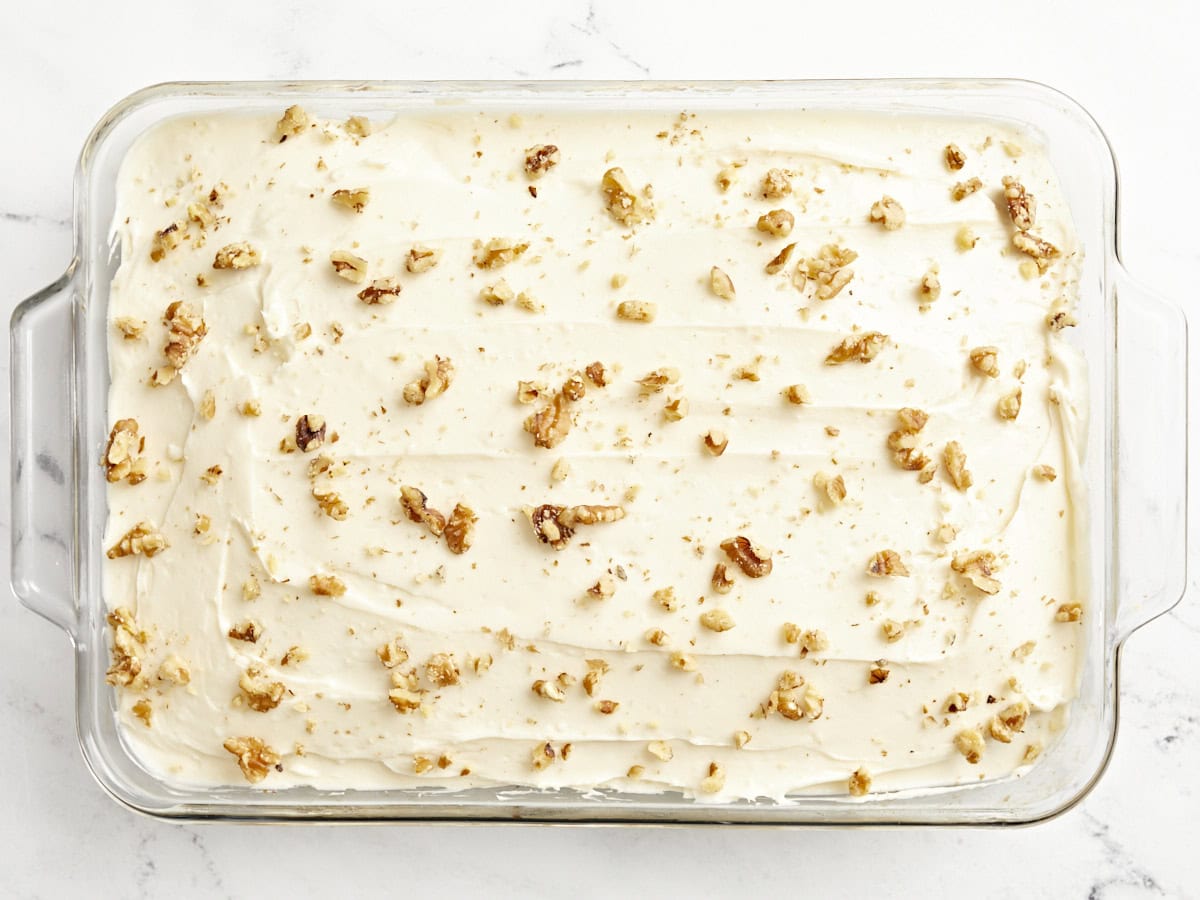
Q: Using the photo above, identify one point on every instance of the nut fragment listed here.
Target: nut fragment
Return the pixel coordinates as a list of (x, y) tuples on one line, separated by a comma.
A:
[(683, 662), (239, 255), (326, 585), (496, 294), (654, 382), (604, 588), (185, 330), (715, 441), (165, 241), (903, 441), (310, 432), (887, 563), (554, 525), (776, 184), (131, 329), (549, 690), (254, 757), (355, 198), (829, 270), (955, 459), (258, 691), (358, 126), (964, 189), (248, 631), (955, 158), (349, 266), (392, 653), (1060, 317), (1010, 721), (714, 782), (675, 409), (777, 223), (797, 394), (721, 284), (540, 159), (421, 258), (625, 206), (414, 503), (878, 674), (665, 597), (637, 310), (606, 707), (596, 374), (978, 567), (442, 670), (551, 424), (1041, 250), (888, 212), (717, 620), (660, 750), (969, 743), (1069, 612), (754, 562), (293, 122), (860, 783), (331, 504), (1046, 473), (965, 238), (498, 252), (122, 456), (780, 260), (833, 488), (1021, 204), (721, 582), (381, 291), (142, 538), (984, 360), (460, 530), (543, 755), (1009, 406), (128, 642), (860, 348), (439, 374)]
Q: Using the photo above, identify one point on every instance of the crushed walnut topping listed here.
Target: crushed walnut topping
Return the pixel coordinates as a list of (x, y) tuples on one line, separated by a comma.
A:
[(1010, 721), (715, 441), (779, 261), (551, 424), (859, 784), (1009, 406), (549, 690), (405, 700), (1046, 473), (596, 670), (415, 506), (777, 223), (955, 158), (721, 284), (903, 442), (128, 641), (828, 270), (683, 662), (165, 241), (381, 291), (442, 670), (251, 589), (721, 582), (326, 585), (358, 126), (554, 525), (239, 255), (174, 670), (714, 781), (755, 563), (1069, 612), (930, 286), (131, 329), (832, 488), (212, 475), (969, 743), (604, 588), (792, 699), (656, 381), (637, 310), (955, 459), (421, 258), (726, 176), (964, 189), (957, 702), (666, 598), (660, 750), (887, 563), (1041, 250), (676, 409), (143, 538), (331, 504), (543, 755), (606, 707), (254, 757), (460, 530), (496, 294), (717, 620), (965, 238), (352, 198), (622, 203), (985, 361), (498, 252), (878, 673), (1021, 204), (122, 456), (185, 330), (540, 159), (258, 691), (888, 212), (797, 394), (293, 123), (858, 348), (349, 266), (310, 432), (248, 631), (392, 653), (439, 374), (596, 375), (1060, 317), (978, 567), (776, 184)]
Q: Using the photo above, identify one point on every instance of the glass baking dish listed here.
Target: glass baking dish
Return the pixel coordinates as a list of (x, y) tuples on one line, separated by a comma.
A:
[(1135, 470)]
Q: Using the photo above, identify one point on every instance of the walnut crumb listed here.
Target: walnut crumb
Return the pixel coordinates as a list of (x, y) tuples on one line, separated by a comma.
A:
[(254, 757), (755, 563), (888, 212), (1069, 612), (683, 662), (969, 743), (543, 755), (438, 376), (1009, 406), (779, 261), (496, 294), (415, 506), (654, 382), (326, 585), (294, 122), (349, 266), (331, 504), (622, 203), (964, 189), (358, 126), (714, 782), (258, 691), (777, 223), (660, 750), (604, 588), (676, 409), (131, 329), (212, 475), (548, 690), (1021, 205), (721, 582), (554, 525), (421, 258), (637, 311), (239, 255), (860, 783), (833, 489), (165, 241), (859, 348), (128, 641), (776, 184), (741, 739), (355, 199), (955, 158), (797, 394), (248, 631), (878, 674), (717, 620), (978, 567), (955, 459), (985, 361), (965, 238), (721, 284), (122, 456), (715, 441), (1046, 473), (1040, 250), (666, 598), (596, 374), (442, 670), (310, 432), (606, 707), (185, 330), (460, 530), (540, 159), (381, 291), (887, 563), (1010, 721), (143, 538)]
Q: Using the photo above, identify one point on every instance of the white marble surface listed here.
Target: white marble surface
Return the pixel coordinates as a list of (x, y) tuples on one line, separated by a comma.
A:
[(1134, 66)]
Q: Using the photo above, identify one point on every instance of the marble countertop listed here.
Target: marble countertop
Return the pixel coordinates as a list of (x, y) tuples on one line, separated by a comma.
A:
[(61, 836)]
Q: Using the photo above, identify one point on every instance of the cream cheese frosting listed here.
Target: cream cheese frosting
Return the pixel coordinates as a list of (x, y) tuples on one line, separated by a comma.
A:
[(276, 605)]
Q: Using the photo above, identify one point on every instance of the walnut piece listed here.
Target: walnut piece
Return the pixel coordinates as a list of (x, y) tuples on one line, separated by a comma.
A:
[(969, 743), (1069, 612), (715, 442), (551, 424), (964, 189), (606, 707), (239, 255), (777, 223), (254, 757), (1046, 473), (248, 631), (676, 409), (955, 158), (358, 126), (1021, 204), (714, 781), (965, 238), (310, 432), (185, 330), (622, 203), (790, 701), (174, 671), (596, 374), (392, 653), (1042, 251), (555, 525), (654, 382), (131, 329), (955, 459), (326, 585), (441, 670), (887, 563), (122, 456), (859, 784), (637, 311), (543, 755), (1010, 721), (165, 241), (860, 348), (355, 198), (888, 212), (1009, 406), (349, 266), (294, 122), (1060, 317), (776, 184), (439, 374), (721, 582), (717, 620), (540, 159), (128, 641), (779, 261), (978, 567), (683, 662), (142, 538), (381, 291), (984, 360), (496, 294), (665, 597), (832, 488), (498, 252), (331, 504), (660, 750), (754, 562), (721, 284), (548, 690), (414, 503), (930, 286), (259, 692), (460, 530), (421, 258), (878, 674), (903, 441)]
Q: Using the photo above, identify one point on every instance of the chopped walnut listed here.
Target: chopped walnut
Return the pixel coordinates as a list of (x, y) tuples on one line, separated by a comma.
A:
[(251, 590), (174, 670), (903, 441), (540, 159), (715, 441), (964, 189), (127, 643), (554, 525), (441, 670), (381, 291), (828, 269), (326, 585), (294, 122), (676, 409), (498, 252), (392, 653), (970, 744), (254, 758), (131, 329), (779, 261), (637, 310), (248, 631), (797, 394), (529, 303), (1042, 251), (1069, 612), (965, 238), (725, 176), (984, 360), (142, 538), (201, 215), (717, 620), (790, 701), (122, 456), (358, 126), (439, 373), (414, 503), (721, 582), (665, 597), (548, 690), (955, 459), (860, 348), (714, 782), (955, 158), (460, 530), (238, 255), (1060, 317), (978, 567), (310, 432), (422, 258), (528, 391), (878, 674), (776, 184), (1046, 473), (721, 284), (683, 662), (355, 199), (404, 700), (606, 707), (777, 223), (1009, 406), (887, 563), (1021, 205), (860, 783), (496, 294), (833, 489), (1010, 721), (604, 588), (185, 330), (543, 755), (165, 241), (212, 475), (331, 504), (957, 702), (751, 560), (551, 424), (349, 266), (596, 374), (888, 212), (260, 694), (655, 381), (596, 670), (625, 206), (660, 750), (250, 408)]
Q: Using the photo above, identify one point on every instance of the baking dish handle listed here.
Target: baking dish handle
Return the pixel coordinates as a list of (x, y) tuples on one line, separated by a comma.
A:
[(1152, 460), (42, 457)]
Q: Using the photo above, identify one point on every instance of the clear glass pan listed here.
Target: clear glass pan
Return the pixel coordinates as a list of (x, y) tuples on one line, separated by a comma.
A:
[(1136, 469)]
